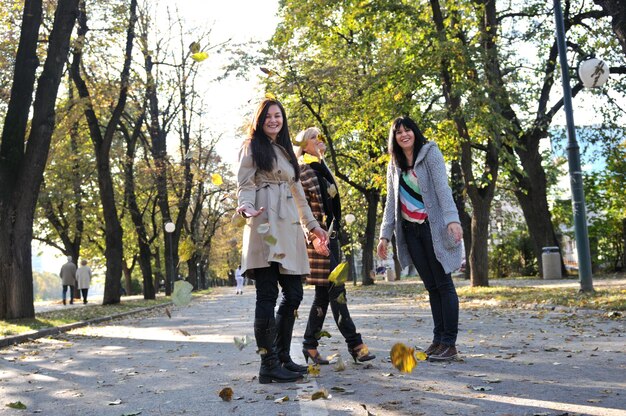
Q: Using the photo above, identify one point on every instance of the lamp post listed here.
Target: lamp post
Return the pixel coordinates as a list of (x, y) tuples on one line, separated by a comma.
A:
[(350, 218), (169, 229), (573, 156)]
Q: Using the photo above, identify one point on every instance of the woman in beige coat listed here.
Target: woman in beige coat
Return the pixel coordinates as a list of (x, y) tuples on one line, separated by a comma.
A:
[(274, 251)]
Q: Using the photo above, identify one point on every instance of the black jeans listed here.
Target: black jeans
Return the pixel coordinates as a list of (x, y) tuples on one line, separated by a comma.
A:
[(266, 281), (444, 302), (325, 295), (84, 292)]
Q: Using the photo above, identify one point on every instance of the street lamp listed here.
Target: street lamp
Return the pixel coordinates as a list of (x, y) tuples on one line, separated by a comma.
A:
[(350, 218), (593, 72), (170, 227), (573, 157)]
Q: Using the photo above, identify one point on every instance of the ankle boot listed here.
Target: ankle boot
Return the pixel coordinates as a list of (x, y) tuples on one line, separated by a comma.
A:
[(282, 344), (271, 368)]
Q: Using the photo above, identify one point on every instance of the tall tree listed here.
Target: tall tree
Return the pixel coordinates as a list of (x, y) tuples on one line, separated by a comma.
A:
[(22, 166), (617, 10), (102, 146)]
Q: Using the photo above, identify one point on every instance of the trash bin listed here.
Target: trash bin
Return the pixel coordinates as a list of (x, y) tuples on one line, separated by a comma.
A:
[(551, 259)]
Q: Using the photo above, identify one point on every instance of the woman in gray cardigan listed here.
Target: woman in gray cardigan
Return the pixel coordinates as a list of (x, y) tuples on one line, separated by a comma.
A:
[(422, 214)]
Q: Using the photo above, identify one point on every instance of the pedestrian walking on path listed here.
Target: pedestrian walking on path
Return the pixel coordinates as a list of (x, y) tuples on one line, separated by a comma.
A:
[(68, 279), (320, 189), (422, 214), (83, 279), (274, 251)]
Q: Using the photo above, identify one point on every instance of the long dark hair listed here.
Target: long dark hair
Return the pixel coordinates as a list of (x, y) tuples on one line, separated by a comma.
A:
[(394, 148), (261, 146)]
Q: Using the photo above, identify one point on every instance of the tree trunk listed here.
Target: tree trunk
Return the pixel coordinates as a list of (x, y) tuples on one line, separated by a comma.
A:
[(127, 278), (102, 146), (192, 265), (372, 197), (21, 171), (458, 192)]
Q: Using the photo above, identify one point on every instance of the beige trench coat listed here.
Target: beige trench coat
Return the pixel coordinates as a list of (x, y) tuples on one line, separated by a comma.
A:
[(286, 212)]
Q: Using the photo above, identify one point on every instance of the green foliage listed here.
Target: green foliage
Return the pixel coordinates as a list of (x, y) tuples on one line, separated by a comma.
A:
[(46, 286)]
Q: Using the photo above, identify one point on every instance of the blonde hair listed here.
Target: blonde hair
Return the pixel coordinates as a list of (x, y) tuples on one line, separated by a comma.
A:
[(304, 136)]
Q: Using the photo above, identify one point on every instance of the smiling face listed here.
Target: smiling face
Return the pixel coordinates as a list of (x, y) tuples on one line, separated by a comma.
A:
[(273, 122), (405, 139), (315, 146)]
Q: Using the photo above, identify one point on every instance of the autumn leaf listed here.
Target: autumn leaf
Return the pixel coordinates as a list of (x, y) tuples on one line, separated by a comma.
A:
[(332, 190), (263, 228), (194, 47), (16, 405), (320, 394), (270, 239), (199, 56), (313, 370), (226, 394), (340, 274), (238, 220), (242, 342), (216, 179), (168, 313), (341, 299), (185, 333), (282, 399), (341, 365), (181, 296), (323, 334), (403, 358), (270, 96)]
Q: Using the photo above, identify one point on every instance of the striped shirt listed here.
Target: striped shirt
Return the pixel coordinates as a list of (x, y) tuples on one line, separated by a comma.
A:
[(411, 203)]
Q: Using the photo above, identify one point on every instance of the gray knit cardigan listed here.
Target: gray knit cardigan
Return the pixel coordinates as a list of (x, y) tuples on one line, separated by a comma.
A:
[(431, 175)]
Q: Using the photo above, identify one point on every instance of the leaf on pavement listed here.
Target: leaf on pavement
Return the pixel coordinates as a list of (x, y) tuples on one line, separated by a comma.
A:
[(226, 394), (115, 402), (320, 394), (168, 313), (323, 334), (313, 370), (185, 333), (16, 405), (282, 399), (340, 365)]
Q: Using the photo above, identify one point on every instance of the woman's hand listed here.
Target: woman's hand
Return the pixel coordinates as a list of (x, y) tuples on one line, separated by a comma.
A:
[(456, 230), (320, 244), (382, 248), (247, 212)]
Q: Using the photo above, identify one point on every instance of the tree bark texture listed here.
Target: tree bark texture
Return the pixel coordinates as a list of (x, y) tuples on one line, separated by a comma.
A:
[(21, 171), (102, 146)]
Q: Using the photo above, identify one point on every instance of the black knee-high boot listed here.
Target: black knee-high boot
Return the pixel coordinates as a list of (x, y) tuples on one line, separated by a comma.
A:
[(271, 368), (284, 330)]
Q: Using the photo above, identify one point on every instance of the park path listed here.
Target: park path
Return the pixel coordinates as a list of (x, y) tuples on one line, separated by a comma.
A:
[(515, 362)]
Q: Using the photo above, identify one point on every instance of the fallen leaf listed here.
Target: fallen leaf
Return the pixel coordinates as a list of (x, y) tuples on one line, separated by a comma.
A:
[(403, 357), (320, 394), (168, 313), (16, 405), (226, 394), (313, 370), (282, 399), (115, 402), (242, 342), (185, 333), (340, 365)]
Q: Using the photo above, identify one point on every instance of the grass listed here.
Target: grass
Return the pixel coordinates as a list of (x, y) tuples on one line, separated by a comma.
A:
[(70, 315), (513, 295)]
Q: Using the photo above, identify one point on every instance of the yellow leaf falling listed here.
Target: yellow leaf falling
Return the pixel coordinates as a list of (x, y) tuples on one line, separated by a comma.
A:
[(270, 96), (199, 56), (238, 220), (323, 334), (421, 356), (341, 299), (216, 179), (313, 370), (263, 228), (404, 358), (270, 239), (226, 394), (340, 274)]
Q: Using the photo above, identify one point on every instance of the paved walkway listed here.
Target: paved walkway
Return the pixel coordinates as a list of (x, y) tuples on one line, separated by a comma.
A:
[(515, 362)]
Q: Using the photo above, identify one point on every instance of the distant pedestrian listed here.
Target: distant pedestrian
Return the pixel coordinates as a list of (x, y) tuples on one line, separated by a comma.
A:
[(239, 279), (68, 279), (422, 214), (83, 277)]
